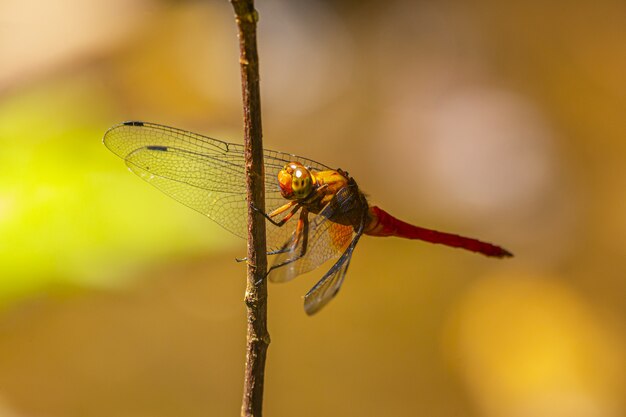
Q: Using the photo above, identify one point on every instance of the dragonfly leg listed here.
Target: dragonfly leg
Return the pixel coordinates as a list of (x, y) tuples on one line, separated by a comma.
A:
[(301, 232), (285, 248), (290, 245), (295, 204), (302, 229), (279, 210)]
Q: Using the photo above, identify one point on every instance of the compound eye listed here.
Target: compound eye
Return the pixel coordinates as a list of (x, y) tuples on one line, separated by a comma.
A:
[(301, 182), (295, 181)]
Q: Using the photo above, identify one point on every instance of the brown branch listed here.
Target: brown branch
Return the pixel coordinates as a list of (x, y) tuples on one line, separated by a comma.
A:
[(258, 338)]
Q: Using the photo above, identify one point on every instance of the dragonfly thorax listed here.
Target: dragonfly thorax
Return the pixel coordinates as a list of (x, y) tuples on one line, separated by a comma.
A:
[(295, 181)]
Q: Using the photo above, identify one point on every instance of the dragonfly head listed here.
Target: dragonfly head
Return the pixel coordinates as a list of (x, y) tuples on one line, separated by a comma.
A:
[(295, 181)]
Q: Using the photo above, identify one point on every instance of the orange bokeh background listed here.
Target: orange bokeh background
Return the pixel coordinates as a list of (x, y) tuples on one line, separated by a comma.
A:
[(498, 120)]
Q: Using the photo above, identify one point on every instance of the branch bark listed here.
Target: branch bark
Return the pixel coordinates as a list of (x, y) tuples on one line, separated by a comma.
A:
[(258, 338)]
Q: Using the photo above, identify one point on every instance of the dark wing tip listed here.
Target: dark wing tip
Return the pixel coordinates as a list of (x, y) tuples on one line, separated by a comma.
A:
[(157, 148), (133, 123), (112, 137)]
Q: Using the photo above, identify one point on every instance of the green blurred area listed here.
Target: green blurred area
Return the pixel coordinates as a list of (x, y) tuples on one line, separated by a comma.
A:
[(496, 120), (65, 218)]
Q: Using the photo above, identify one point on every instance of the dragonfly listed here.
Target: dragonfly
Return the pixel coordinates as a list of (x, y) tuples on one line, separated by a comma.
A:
[(317, 213)]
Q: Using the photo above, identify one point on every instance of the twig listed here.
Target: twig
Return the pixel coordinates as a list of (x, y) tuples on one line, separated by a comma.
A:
[(258, 338)]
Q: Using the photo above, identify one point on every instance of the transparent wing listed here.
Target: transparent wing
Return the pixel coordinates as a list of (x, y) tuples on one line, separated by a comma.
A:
[(330, 235), (205, 174), (328, 287), (327, 240)]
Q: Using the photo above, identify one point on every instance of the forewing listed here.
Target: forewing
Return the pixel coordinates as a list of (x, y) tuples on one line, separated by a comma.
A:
[(203, 173)]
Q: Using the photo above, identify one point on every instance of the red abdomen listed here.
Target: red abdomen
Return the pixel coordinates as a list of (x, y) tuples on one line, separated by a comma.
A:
[(384, 224)]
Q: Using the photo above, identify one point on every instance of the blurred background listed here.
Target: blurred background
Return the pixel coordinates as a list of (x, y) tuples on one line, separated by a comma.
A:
[(499, 120)]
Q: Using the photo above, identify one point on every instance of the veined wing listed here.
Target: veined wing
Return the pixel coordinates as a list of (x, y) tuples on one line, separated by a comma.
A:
[(328, 287), (333, 234), (203, 173)]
